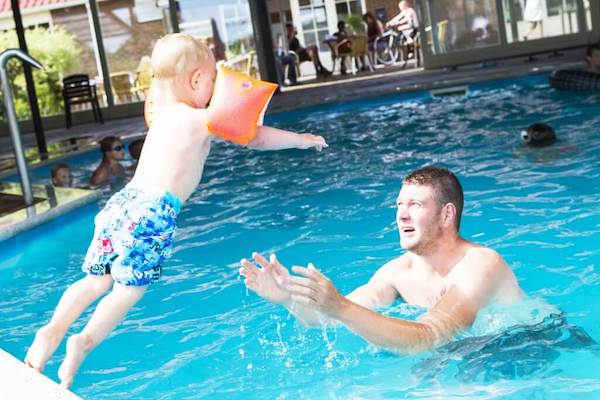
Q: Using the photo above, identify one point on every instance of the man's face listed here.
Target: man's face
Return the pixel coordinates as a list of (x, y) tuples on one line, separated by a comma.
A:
[(62, 178), (418, 218)]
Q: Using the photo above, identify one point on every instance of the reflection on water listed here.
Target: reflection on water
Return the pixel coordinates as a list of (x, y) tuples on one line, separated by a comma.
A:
[(521, 351)]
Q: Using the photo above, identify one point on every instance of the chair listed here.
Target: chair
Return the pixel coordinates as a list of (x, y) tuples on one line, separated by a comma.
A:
[(143, 79), (77, 89), (441, 26), (416, 46), (123, 86), (296, 61), (359, 48), (244, 63)]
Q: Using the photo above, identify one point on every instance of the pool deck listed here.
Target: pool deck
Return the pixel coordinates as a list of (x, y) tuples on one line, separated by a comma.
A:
[(50, 203), (310, 92), (18, 382)]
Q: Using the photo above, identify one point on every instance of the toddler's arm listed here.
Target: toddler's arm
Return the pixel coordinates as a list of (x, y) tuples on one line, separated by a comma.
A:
[(269, 138)]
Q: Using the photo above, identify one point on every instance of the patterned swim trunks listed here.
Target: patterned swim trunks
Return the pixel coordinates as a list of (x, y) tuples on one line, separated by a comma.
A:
[(133, 236)]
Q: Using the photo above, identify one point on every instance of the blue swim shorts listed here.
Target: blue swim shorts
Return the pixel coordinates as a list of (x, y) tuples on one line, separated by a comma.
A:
[(133, 236)]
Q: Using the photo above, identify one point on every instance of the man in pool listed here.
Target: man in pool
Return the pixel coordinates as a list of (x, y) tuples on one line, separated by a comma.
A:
[(450, 276), (134, 231)]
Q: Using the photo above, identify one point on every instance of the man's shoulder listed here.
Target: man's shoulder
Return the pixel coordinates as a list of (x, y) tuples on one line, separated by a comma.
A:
[(482, 253), (398, 264), (479, 259)]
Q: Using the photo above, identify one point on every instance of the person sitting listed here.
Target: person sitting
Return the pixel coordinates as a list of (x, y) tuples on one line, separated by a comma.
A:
[(374, 30), (309, 53), (112, 152), (342, 45), (592, 59), (61, 176), (406, 22), (283, 59)]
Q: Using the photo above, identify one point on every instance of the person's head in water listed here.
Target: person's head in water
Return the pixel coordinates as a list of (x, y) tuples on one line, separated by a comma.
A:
[(135, 148), (112, 149), (539, 135), (430, 206), (61, 175), (592, 58)]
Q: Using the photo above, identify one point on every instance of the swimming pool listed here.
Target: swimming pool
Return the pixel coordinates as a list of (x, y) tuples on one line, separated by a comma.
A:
[(199, 334)]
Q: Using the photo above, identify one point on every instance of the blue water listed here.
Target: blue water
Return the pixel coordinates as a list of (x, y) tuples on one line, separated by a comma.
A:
[(199, 334)]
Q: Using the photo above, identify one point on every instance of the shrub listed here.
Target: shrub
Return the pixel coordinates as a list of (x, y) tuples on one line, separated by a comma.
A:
[(58, 52)]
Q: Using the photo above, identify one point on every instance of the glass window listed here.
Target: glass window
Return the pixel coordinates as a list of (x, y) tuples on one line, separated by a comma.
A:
[(536, 19), (462, 25), (588, 14), (129, 31), (313, 18), (345, 8), (226, 28), (281, 14), (60, 38)]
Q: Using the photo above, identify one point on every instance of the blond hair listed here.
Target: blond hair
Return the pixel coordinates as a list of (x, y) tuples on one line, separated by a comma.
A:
[(176, 54)]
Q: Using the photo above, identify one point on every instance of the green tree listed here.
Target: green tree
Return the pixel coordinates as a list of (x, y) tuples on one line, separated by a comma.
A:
[(58, 52)]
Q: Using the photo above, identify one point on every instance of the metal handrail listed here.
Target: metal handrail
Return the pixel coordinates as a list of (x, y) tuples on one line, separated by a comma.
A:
[(13, 123)]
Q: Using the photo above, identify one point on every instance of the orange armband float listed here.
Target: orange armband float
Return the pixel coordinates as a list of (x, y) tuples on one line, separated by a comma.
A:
[(237, 106)]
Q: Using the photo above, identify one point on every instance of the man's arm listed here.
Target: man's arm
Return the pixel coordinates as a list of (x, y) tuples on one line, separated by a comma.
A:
[(397, 20), (380, 290), (454, 312), (269, 138)]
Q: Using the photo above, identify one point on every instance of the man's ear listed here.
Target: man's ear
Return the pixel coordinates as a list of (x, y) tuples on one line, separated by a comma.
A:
[(195, 78), (449, 214)]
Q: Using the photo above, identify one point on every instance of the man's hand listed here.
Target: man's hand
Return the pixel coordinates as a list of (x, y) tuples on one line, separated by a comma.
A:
[(308, 140), (315, 290), (269, 281)]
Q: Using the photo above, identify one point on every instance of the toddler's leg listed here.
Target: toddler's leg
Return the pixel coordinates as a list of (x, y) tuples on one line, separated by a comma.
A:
[(110, 311), (73, 302)]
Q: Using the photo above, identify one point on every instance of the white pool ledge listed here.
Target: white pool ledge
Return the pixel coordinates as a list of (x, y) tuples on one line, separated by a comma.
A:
[(19, 382)]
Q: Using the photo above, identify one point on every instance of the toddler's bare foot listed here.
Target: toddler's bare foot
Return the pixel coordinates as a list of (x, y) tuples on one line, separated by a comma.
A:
[(45, 343), (76, 352)]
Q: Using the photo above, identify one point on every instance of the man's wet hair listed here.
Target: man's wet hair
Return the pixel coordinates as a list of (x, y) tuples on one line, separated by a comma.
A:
[(445, 184)]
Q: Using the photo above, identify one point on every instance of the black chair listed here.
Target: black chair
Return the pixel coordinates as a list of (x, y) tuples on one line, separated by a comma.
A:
[(77, 89)]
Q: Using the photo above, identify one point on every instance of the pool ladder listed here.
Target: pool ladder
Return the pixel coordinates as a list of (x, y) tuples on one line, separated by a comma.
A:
[(13, 123)]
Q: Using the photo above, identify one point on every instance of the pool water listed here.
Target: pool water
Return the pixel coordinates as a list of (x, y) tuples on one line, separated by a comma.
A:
[(200, 334)]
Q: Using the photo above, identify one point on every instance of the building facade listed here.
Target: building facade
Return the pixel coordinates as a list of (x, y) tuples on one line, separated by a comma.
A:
[(112, 39)]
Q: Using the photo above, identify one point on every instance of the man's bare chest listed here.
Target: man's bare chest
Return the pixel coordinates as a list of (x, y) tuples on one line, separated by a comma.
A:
[(423, 289)]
